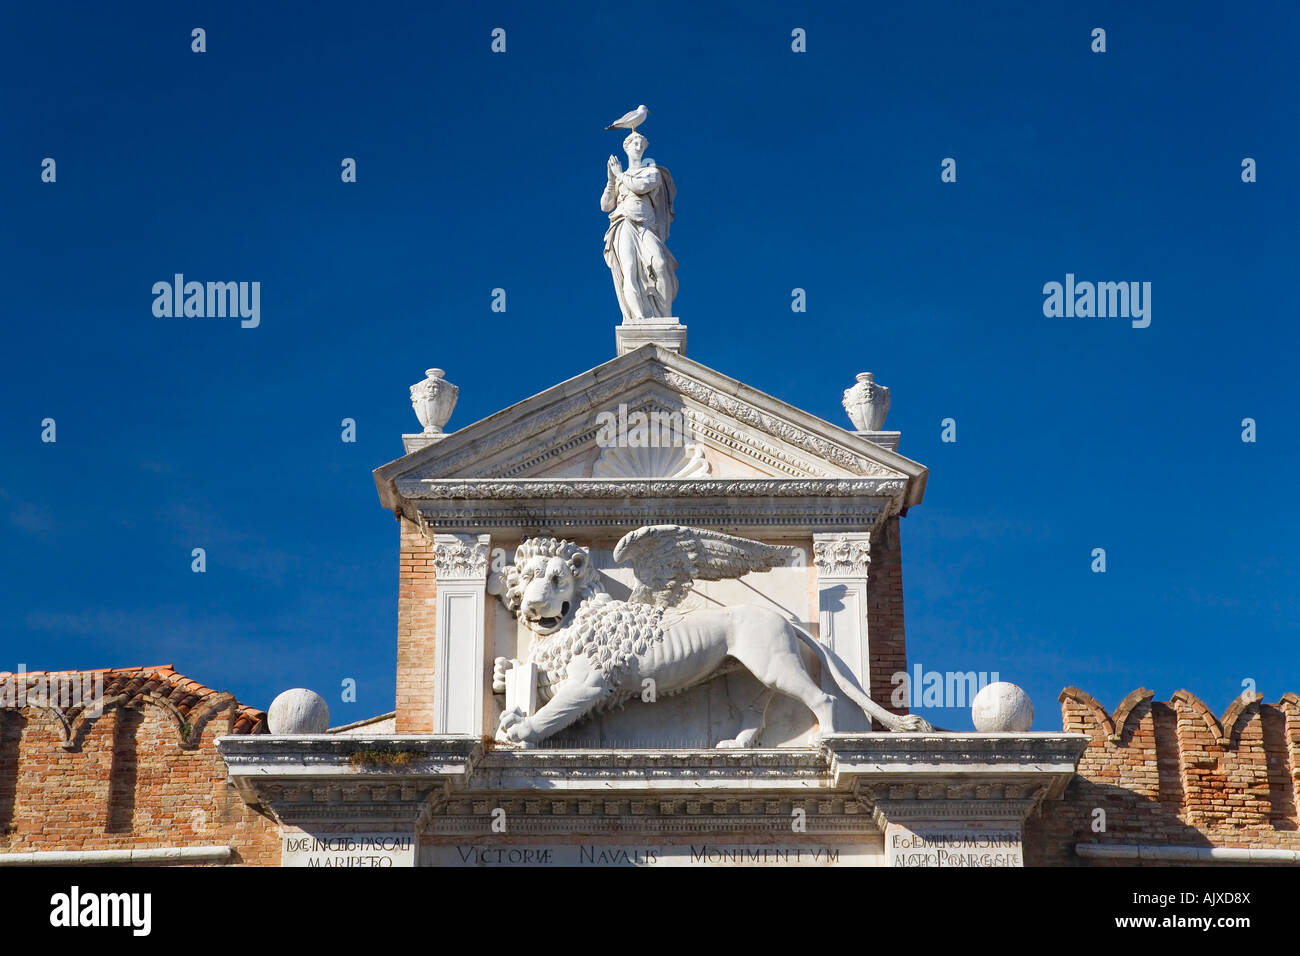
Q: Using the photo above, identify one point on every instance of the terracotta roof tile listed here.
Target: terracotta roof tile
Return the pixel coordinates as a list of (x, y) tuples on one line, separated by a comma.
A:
[(161, 681)]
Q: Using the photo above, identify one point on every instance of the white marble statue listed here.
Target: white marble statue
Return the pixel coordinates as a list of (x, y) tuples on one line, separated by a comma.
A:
[(640, 206), (593, 653)]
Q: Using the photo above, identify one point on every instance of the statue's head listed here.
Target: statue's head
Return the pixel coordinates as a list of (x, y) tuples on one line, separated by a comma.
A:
[(635, 146), (546, 583)]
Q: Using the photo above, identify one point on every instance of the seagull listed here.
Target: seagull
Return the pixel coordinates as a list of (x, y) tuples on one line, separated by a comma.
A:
[(631, 120)]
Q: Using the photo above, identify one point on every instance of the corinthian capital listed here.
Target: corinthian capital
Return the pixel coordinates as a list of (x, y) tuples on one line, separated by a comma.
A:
[(845, 555), (461, 556)]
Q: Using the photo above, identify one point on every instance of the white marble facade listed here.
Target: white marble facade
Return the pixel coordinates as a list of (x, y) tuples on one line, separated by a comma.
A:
[(652, 437), (644, 785)]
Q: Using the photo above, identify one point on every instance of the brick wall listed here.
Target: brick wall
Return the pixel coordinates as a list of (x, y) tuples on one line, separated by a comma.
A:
[(126, 782), (416, 612), (1174, 773), (886, 639)]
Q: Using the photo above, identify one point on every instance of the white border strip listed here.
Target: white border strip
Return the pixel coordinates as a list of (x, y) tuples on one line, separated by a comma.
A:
[(160, 854), (1185, 854)]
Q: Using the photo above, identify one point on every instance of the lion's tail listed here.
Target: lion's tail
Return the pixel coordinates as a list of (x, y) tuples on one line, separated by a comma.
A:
[(847, 684)]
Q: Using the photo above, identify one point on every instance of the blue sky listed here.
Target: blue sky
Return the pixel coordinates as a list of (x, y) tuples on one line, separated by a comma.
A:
[(817, 170)]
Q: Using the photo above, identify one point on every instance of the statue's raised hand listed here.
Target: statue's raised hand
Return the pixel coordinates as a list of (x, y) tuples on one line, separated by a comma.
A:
[(614, 168)]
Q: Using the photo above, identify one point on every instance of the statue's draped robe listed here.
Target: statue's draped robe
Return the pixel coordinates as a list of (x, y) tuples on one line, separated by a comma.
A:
[(638, 231)]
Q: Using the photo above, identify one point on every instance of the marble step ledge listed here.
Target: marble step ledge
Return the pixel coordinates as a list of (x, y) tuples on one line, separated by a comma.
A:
[(1003, 765), (938, 761), (255, 763)]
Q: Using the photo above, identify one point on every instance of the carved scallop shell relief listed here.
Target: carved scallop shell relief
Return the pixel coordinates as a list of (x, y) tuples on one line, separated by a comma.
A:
[(663, 461)]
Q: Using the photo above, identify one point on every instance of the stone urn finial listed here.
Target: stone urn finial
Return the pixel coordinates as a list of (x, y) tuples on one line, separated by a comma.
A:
[(867, 403), (433, 400)]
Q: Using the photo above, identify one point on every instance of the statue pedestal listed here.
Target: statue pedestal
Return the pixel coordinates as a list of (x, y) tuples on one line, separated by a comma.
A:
[(883, 439), (668, 333), (418, 440)]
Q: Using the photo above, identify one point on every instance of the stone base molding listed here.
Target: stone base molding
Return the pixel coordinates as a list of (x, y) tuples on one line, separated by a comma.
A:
[(400, 800)]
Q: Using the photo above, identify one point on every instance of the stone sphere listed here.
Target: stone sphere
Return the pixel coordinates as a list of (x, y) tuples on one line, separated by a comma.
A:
[(1002, 707), (298, 711)]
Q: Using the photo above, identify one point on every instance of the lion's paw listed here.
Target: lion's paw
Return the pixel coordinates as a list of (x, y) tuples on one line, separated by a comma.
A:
[(912, 724), (742, 741), (515, 727)]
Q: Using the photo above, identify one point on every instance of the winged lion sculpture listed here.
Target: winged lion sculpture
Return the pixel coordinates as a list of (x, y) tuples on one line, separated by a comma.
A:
[(593, 652)]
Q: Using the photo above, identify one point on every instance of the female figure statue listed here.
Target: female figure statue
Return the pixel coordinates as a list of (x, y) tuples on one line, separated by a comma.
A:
[(640, 206)]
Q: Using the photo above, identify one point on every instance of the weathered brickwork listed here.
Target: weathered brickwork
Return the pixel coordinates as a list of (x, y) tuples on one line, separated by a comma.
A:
[(1173, 773), (887, 642), (417, 600), (144, 774)]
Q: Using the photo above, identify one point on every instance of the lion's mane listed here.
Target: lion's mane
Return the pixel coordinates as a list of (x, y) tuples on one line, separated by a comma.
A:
[(516, 576), (609, 633)]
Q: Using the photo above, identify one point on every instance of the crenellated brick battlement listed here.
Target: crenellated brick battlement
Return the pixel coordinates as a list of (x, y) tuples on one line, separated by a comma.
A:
[(1172, 773)]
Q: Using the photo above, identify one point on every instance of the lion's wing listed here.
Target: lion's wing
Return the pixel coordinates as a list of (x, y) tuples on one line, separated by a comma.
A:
[(666, 559)]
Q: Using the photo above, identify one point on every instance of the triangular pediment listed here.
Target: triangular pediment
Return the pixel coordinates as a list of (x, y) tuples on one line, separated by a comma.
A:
[(651, 414)]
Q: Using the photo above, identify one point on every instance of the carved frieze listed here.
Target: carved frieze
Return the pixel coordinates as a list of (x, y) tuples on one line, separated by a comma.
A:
[(616, 514), (667, 488)]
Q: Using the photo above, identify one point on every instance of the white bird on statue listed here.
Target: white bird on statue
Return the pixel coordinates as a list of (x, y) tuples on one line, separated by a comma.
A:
[(630, 120)]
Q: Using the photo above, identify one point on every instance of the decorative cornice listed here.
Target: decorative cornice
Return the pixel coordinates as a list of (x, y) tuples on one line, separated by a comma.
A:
[(950, 748), (926, 760), (746, 444), (580, 516), (309, 803), (966, 804), (747, 413), (432, 779), (523, 488), (332, 754), (947, 793), (275, 770)]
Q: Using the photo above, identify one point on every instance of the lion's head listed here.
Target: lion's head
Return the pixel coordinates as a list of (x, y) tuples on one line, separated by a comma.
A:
[(547, 582)]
